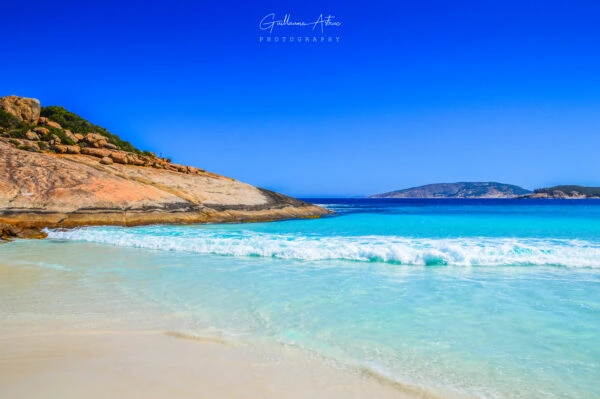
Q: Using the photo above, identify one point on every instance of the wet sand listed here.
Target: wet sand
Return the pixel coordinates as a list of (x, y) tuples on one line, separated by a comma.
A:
[(59, 340), (109, 364)]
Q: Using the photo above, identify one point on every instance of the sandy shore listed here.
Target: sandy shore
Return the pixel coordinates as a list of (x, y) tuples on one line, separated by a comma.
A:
[(116, 364), (60, 340)]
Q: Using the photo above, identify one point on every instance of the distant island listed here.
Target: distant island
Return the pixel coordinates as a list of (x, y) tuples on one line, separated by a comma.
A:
[(567, 191), (458, 190), (59, 170)]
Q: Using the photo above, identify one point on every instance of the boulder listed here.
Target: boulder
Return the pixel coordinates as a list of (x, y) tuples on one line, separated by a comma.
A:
[(96, 152), (93, 137), (95, 140), (67, 149), (45, 121), (106, 161), (30, 135), (31, 233), (119, 157), (54, 124), (110, 146), (41, 130), (7, 231), (71, 136), (55, 140), (134, 159), (78, 136), (180, 168), (24, 109), (99, 144)]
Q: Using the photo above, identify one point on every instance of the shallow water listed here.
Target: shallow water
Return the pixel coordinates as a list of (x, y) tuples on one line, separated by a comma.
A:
[(480, 298)]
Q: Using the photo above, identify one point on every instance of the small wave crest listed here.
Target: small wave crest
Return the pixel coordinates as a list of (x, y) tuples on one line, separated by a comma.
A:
[(471, 251)]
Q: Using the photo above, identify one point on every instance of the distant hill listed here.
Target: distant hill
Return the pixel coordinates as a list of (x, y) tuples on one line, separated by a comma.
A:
[(568, 191), (458, 190)]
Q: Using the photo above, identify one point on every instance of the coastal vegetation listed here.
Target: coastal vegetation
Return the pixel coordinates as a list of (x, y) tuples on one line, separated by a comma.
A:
[(12, 124), (54, 125), (76, 124)]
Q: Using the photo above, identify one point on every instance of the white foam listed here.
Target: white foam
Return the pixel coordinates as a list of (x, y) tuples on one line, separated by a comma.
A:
[(472, 251)]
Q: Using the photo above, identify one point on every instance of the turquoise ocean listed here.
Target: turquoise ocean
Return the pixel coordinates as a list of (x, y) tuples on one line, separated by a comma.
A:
[(482, 298)]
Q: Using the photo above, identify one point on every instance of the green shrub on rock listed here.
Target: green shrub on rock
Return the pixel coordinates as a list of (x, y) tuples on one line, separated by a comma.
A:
[(76, 124)]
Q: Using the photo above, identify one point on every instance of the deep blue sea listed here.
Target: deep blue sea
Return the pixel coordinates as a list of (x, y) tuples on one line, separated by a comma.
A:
[(484, 298)]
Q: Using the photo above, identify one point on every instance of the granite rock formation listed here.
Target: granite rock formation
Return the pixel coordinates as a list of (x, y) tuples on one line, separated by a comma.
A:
[(45, 182), (24, 109)]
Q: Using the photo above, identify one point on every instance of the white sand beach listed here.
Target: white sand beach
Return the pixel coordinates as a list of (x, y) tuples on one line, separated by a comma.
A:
[(113, 364), (51, 350)]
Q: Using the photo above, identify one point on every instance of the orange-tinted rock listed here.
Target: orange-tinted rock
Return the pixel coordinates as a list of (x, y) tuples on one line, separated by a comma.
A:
[(41, 130), (55, 140), (98, 144), (53, 124), (24, 109), (67, 149), (39, 190), (30, 135), (119, 157), (71, 136), (96, 152), (134, 159)]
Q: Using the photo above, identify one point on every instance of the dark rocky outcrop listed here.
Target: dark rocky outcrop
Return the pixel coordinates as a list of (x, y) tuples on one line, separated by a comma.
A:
[(8, 232)]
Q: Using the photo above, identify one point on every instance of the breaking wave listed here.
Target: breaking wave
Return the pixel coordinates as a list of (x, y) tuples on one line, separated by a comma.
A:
[(470, 251)]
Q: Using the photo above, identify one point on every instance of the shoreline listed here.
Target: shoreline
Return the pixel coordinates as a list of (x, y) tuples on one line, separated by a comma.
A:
[(53, 346), (369, 324), (101, 364)]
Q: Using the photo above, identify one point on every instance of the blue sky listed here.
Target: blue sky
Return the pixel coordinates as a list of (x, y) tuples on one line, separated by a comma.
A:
[(413, 93)]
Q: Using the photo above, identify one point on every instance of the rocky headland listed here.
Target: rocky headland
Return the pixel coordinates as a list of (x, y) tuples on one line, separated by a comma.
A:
[(59, 170), (565, 192)]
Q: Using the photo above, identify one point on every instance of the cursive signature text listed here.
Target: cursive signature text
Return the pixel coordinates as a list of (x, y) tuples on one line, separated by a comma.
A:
[(269, 22)]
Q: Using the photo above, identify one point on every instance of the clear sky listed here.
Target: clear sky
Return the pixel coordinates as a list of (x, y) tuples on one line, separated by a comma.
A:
[(414, 92)]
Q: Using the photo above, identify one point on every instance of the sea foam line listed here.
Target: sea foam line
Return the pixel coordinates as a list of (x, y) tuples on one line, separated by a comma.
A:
[(471, 251)]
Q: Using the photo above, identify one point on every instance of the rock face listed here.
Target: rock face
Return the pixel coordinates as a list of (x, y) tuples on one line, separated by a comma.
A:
[(24, 109), (67, 190), (458, 190), (89, 178)]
